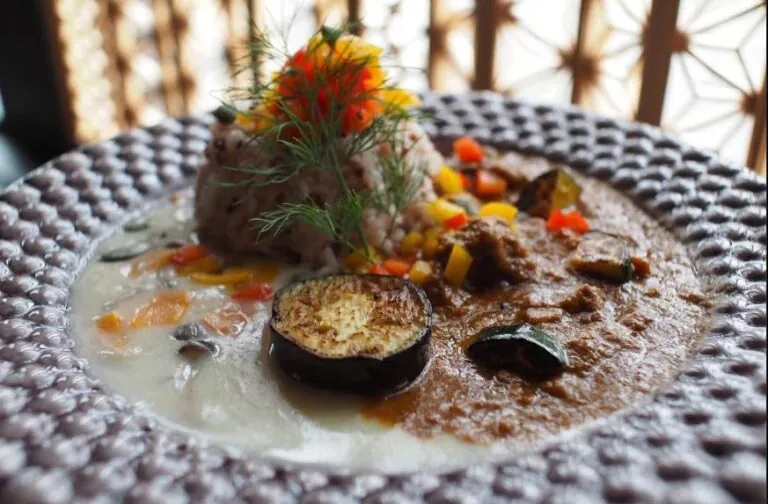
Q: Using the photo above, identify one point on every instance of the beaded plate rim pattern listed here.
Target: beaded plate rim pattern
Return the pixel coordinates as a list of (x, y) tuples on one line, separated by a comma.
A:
[(701, 439)]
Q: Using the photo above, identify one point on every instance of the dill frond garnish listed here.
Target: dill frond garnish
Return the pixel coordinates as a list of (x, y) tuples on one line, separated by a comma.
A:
[(330, 102)]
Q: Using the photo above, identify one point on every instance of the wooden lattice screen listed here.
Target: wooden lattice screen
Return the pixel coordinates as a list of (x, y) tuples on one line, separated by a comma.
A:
[(695, 67)]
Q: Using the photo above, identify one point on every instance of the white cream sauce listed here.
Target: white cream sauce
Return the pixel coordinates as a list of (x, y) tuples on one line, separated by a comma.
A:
[(237, 397)]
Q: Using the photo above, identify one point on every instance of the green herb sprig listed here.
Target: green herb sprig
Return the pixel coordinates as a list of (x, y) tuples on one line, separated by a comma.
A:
[(297, 144)]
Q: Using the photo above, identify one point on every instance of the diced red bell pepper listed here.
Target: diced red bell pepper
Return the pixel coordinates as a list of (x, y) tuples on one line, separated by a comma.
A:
[(556, 221), (468, 150), (188, 254), (577, 222), (456, 222), (256, 291), (489, 185), (571, 220), (397, 266), (378, 269)]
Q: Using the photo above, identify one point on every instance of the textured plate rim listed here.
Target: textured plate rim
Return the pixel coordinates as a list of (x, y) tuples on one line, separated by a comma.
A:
[(63, 437)]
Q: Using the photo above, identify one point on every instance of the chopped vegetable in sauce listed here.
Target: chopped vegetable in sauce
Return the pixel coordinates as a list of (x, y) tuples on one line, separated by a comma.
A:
[(457, 267), (166, 308), (553, 190), (523, 348), (468, 150)]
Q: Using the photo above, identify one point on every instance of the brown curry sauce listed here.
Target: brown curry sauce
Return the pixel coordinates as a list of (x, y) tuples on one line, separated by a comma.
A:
[(623, 340)]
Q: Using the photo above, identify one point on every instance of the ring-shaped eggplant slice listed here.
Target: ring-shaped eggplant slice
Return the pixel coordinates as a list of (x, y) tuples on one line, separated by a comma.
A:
[(363, 334)]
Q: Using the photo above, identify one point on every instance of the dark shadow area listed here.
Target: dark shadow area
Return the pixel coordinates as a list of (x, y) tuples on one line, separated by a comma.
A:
[(32, 126)]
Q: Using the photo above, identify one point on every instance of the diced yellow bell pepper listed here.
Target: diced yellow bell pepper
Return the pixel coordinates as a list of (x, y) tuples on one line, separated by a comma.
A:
[(458, 265), (506, 211), (431, 241), (232, 276), (449, 181), (419, 272), (207, 264), (441, 210), (411, 242)]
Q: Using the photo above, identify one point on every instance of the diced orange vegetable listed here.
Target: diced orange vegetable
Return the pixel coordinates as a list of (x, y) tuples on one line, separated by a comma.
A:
[(506, 211), (378, 269), (558, 220), (255, 291), (397, 266), (167, 308), (207, 264), (419, 272), (577, 222), (489, 185), (226, 321), (468, 150), (112, 328), (188, 254), (456, 222), (458, 265), (441, 210), (151, 261), (110, 322), (411, 242), (449, 181)]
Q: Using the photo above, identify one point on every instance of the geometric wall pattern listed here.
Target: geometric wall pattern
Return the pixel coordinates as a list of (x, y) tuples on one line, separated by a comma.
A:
[(695, 67)]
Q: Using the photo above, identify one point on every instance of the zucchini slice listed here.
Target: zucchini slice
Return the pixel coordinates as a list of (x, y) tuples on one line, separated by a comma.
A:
[(365, 334), (552, 190), (524, 348)]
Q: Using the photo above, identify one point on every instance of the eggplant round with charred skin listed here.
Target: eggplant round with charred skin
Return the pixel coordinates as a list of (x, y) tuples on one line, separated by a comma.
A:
[(363, 334), (523, 348)]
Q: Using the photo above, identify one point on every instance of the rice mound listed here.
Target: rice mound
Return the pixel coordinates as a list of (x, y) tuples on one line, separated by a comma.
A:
[(225, 207)]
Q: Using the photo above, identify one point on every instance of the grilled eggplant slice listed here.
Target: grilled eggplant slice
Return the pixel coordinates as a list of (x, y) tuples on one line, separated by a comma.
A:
[(523, 348), (364, 334), (553, 190), (603, 256)]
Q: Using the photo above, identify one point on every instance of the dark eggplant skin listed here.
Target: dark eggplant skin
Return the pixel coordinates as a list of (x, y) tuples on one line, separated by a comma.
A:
[(359, 375), (523, 348)]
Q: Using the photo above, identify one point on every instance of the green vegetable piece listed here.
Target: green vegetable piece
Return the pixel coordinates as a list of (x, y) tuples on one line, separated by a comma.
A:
[(553, 190), (224, 114), (603, 256), (126, 252), (523, 348), (136, 225)]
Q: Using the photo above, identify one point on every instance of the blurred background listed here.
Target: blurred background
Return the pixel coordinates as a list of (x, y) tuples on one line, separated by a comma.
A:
[(76, 71)]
